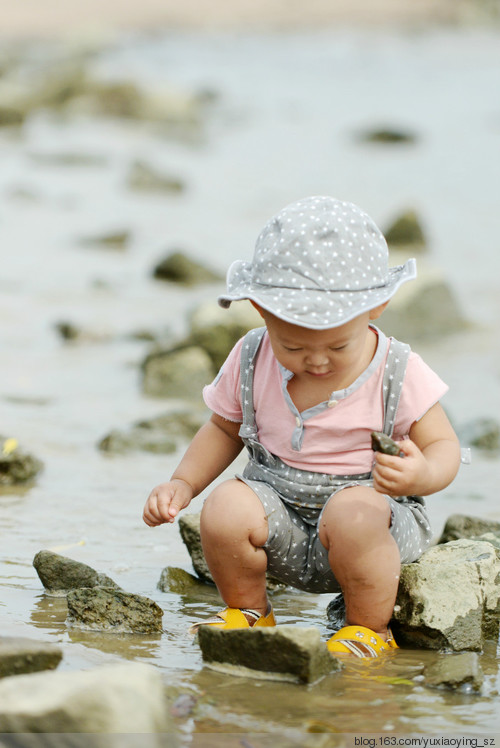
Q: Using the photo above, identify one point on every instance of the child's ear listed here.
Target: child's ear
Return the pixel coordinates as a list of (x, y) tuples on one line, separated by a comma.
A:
[(256, 306), (377, 311)]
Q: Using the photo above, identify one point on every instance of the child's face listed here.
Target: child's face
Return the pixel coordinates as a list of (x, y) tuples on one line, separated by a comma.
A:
[(314, 355)]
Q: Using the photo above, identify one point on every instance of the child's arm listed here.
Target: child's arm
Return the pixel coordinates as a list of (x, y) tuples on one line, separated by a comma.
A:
[(431, 459), (212, 450)]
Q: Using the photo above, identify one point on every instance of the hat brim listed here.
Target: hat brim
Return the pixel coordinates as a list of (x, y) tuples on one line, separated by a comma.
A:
[(316, 309)]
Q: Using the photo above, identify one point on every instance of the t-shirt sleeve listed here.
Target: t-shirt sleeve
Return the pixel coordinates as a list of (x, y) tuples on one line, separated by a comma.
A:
[(422, 388), (222, 396)]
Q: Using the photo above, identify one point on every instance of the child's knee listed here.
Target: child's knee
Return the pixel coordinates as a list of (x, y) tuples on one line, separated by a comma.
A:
[(231, 511), (354, 514)]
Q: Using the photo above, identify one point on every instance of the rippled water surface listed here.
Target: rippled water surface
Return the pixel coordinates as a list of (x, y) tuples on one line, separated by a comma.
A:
[(283, 122)]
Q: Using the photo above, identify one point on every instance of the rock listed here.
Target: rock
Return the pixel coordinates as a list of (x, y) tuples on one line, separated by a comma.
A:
[(113, 240), (462, 526), (457, 671), (179, 268), (425, 309), (147, 179), (216, 330), (16, 466), (173, 579), (119, 698), (19, 655), (59, 574), (178, 373), (482, 433), (335, 612), (189, 528), (383, 443), (109, 609), (11, 116), (283, 652), (68, 330), (388, 135), (161, 435), (406, 231), (449, 598)]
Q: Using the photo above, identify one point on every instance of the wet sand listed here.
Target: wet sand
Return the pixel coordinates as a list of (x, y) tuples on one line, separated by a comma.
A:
[(51, 18)]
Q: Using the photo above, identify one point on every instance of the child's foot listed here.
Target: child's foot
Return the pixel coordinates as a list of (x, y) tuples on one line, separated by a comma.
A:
[(237, 618)]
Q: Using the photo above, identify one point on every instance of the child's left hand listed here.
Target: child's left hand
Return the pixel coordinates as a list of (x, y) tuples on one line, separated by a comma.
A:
[(407, 475)]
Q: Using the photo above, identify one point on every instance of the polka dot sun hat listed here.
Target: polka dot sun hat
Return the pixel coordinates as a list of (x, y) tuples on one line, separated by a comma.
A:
[(318, 263)]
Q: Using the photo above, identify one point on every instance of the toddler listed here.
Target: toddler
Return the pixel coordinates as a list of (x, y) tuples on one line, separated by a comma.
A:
[(315, 506)]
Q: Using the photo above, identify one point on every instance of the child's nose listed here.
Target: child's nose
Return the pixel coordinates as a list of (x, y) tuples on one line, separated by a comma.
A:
[(317, 358)]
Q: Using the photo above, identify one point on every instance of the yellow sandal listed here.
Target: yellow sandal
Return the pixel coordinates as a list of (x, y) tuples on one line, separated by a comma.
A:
[(360, 641), (236, 618)]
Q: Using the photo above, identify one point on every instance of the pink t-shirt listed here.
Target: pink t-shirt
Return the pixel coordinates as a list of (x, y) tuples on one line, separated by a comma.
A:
[(334, 438)]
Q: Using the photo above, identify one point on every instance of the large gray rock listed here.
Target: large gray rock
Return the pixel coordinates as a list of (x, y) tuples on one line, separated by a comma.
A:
[(113, 610), (450, 598), (19, 655), (189, 528), (16, 465), (406, 231), (122, 698), (179, 373), (60, 574), (457, 671), (286, 652), (464, 526)]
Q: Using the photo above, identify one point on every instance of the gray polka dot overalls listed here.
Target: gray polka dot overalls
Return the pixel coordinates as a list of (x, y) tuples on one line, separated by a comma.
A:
[(293, 499)]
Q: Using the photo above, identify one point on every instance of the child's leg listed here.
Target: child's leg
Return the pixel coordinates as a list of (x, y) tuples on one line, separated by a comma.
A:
[(233, 530), (363, 555)]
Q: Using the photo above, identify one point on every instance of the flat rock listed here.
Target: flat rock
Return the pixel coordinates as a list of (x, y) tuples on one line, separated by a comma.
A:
[(281, 652), (174, 579), (455, 671), (20, 655), (178, 267), (119, 698), (450, 598), (107, 609), (60, 574), (163, 434)]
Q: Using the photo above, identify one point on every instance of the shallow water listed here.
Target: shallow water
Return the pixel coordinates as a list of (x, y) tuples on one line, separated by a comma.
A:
[(283, 125)]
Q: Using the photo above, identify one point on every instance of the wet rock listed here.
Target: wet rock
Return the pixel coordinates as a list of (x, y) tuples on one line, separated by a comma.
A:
[(110, 609), (425, 309), (179, 268), (20, 655), (216, 330), (463, 526), (145, 178), (450, 598), (160, 435), (189, 528), (173, 579), (335, 612), (456, 671), (388, 135), (16, 466), (59, 574), (178, 373), (68, 330), (114, 240), (284, 652), (482, 433), (406, 231), (119, 698)]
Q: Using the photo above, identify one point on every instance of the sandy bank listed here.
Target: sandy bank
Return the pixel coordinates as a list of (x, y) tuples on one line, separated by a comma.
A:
[(51, 18)]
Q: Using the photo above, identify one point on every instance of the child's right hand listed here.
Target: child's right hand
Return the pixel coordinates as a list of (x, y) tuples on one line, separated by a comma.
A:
[(165, 502)]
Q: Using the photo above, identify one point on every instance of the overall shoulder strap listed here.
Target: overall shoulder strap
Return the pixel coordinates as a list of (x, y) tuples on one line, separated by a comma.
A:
[(251, 344), (394, 374)]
